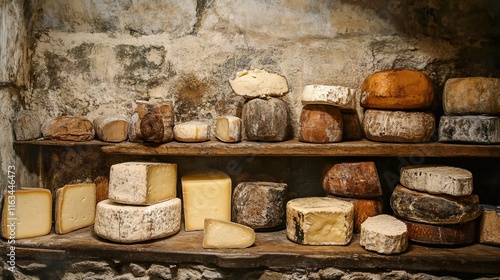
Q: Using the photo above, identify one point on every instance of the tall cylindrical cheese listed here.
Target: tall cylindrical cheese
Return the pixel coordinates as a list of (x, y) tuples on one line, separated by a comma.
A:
[(129, 224), (71, 128), (472, 96), (384, 234), (266, 119), (228, 129), (470, 129), (320, 124), (352, 179), (192, 131), (111, 128), (456, 234), (437, 179)]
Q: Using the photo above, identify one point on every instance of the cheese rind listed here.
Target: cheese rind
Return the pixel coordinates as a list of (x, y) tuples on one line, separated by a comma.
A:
[(470, 129), (102, 188), (339, 96), (111, 128), (129, 223), (258, 83), (398, 126), (220, 234), (437, 179), (27, 213), (319, 221), (192, 131), (71, 128), (228, 129), (266, 120), (434, 209), (26, 125), (151, 121), (142, 183), (75, 207), (456, 234), (489, 232), (363, 209), (472, 96), (206, 194), (352, 179), (384, 234), (320, 124)]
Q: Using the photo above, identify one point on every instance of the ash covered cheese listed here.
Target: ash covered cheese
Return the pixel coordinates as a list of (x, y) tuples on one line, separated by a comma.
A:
[(218, 234), (456, 234), (111, 128), (75, 207), (470, 129), (130, 223), (384, 234), (437, 179), (320, 124), (352, 179), (228, 129), (142, 183), (472, 96), (266, 120), (363, 209), (339, 96), (398, 126), (258, 83), (192, 131), (71, 128), (489, 229), (27, 125), (319, 221)]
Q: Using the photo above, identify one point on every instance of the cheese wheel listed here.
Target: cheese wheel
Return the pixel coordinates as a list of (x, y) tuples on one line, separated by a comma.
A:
[(218, 234), (320, 124), (456, 234), (472, 96), (266, 119), (258, 83), (259, 205), (26, 213), (489, 232), (111, 128), (142, 183), (192, 131), (398, 126), (437, 179), (75, 207), (469, 129), (338, 96), (351, 127), (27, 125), (71, 128), (434, 209), (151, 121), (352, 179), (228, 129), (363, 209), (319, 221), (129, 223), (397, 90), (384, 234)]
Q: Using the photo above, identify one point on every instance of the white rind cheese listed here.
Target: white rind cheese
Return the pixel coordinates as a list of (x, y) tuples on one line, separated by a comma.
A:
[(75, 207), (225, 235), (339, 96), (228, 129), (130, 223), (384, 234), (471, 129), (192, 131), (437, 179), (319, 221), (258, 83), (142, 183)]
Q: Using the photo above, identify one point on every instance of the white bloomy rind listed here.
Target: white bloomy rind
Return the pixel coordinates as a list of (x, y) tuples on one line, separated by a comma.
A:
[(342, 97), (384, 234)]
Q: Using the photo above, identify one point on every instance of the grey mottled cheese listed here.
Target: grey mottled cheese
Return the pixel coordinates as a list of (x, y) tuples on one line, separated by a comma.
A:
[(437, 179), (471, 129), (266, 119), (320, 124), (472, 96), (258, 83), (142, 183), (71, 128), (339, 96), (489, 229), (319, 221), (192, 131), (220, 234), (129, 223), (111, 128), (228, 129), (27, 125), (398, 126), (384, 234)]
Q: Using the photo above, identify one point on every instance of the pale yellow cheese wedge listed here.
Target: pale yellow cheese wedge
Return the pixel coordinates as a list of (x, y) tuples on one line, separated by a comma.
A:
[(75, 207), (220, 234)]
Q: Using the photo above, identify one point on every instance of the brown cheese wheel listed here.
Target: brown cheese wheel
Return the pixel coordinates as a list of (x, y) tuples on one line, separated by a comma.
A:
[(457, 234), (71, 128), (266, 119), (320, 124), (353, 179), (363, 209), (472, 96)]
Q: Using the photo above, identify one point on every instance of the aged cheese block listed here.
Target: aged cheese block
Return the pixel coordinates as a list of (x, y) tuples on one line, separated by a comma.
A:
[(472, 96), (151, 121), (489, 228), (27, 213), (266, 119), (101, 188), (258, 83), (259, 204), (456, 234), (320, 124), (384, 234), (192, 131), (352, 179), (472, 129), (111, 128), (351, 127), (142, 183), (75, 207), (339, 96), (363, 209), (70, 128), (206, 194), (437, 179), (397, 90), (398, 126), (130, 223), (228, 129), (319, 221), (434, 209), (219, 234), (27, 125)]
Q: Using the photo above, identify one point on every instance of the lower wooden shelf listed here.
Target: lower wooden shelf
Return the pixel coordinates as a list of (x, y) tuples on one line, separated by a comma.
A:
[(271, 249)]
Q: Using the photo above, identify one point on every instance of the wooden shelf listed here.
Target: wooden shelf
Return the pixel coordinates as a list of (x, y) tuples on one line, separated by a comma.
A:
[(271, 249), (286, 148)]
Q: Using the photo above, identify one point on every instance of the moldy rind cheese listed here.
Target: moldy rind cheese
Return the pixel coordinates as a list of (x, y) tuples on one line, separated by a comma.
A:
[(75, 207), (218, 234), (470, 129), (319, 221), (397, 90), (352, 179), (456, 234), (130, 223), (258, 83), (437, 179), (266, 120), (338, 96), (71, 128), (228, 129), (471, 96), (384, 234), (320, 124)]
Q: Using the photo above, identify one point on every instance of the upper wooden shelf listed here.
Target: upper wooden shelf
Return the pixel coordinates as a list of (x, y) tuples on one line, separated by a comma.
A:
[(286, 148)]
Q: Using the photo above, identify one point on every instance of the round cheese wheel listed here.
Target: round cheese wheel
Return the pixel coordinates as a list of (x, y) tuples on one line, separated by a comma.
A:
[(320, 124), (457, 234)]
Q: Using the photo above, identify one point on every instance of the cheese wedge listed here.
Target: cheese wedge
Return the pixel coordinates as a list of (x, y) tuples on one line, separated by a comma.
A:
[(228, 129), (220, 234), (75, 207), (27, 213)]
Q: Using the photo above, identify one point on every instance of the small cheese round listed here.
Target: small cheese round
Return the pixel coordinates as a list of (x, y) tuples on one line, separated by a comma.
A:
[(384, 234), (192, 131), (320, 124), (228, 129)]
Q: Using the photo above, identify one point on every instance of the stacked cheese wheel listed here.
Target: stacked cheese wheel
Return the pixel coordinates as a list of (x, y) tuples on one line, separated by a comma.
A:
[(322, 120), (395, 101), (437, 204), (472, 111)]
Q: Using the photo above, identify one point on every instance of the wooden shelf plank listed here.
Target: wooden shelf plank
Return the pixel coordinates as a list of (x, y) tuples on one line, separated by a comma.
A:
[(62, 143), (271, 249)]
